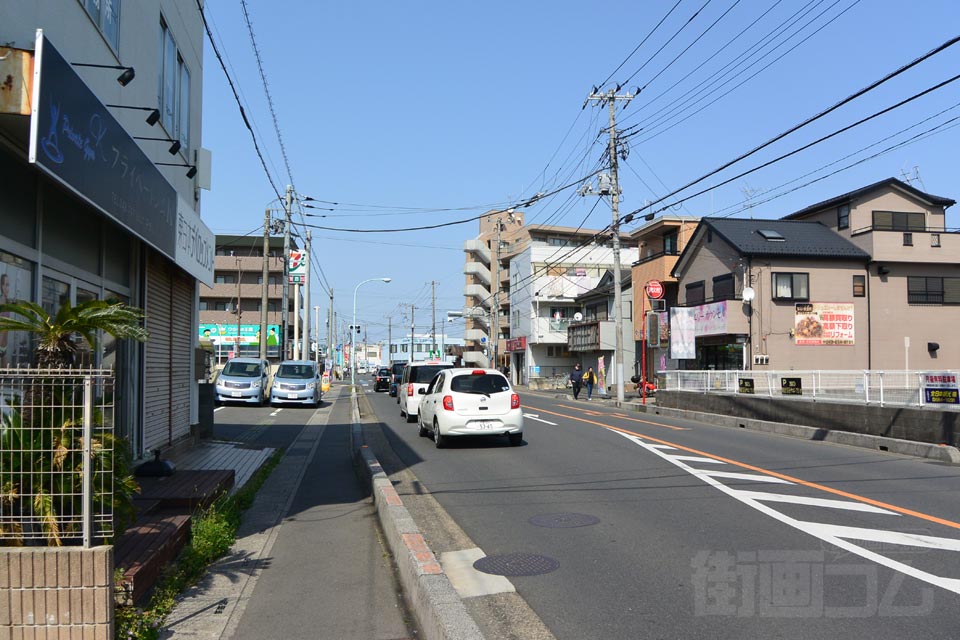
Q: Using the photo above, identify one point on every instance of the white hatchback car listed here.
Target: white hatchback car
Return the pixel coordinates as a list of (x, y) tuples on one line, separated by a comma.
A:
[(470, 402)]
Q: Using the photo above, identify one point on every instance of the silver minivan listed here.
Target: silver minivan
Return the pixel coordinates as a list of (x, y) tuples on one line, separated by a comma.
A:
[(296, 382), (244, 380)]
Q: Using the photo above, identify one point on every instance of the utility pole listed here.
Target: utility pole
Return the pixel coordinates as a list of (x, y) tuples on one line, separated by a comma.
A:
[(611, 97), (316, 321), (296, 321), (389, 339), (433, 312), (412, 325), (284, 338), (263, 289), (238, 308), (306, 297), (331, 345)]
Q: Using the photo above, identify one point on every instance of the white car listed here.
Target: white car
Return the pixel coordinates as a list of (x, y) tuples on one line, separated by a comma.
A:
[(296, 382), (470, 402), (416, 376)]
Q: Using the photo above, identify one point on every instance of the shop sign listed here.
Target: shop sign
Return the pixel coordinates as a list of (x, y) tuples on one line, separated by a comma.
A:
[(711, 319), (219, 333), (791, 387), (824, 324), (76, 141), (682, 333), (745, 385), (517, 344), (195, 244), (940, 387)]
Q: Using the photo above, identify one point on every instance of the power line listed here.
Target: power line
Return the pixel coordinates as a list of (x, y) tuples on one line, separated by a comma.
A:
[(637, 48)]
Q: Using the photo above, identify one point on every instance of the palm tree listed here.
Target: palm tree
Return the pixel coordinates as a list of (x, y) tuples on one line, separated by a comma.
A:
[(56, 346)]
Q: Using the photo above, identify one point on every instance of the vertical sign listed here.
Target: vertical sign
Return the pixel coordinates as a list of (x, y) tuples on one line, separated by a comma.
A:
[(297, 268)]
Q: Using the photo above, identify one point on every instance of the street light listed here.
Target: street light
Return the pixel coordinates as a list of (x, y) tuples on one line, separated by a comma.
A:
[(353, 330)]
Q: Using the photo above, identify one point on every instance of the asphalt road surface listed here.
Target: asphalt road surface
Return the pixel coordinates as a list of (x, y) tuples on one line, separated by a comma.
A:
[(639, 526)]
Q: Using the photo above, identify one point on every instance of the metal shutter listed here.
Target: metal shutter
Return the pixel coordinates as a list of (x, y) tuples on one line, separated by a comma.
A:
[(181, 354), (156, 397)]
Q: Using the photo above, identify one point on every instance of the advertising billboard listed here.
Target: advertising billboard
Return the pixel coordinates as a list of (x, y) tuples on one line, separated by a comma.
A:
[(824, 324)]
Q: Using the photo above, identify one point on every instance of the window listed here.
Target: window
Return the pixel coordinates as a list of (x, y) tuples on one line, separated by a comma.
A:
[(723, 287), (934, 239), (859, 286), (696, 293), (670, 246), (173, 90), (898, 221), (557, 351), (791, 286), (271, 279), (203, 305), (271, 306), (106, 15), (908, 239), (933, 290), (225, 278), (843, 216), (220, 305)]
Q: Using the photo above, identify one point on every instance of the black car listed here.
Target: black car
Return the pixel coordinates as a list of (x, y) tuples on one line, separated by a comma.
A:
[(383, 380), (396, 372)]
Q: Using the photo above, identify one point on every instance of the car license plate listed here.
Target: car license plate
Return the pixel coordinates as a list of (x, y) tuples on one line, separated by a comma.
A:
[(235, 394), (291, 396), (481, 424)]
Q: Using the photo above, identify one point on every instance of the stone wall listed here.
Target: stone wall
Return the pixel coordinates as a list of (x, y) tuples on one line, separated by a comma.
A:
[(56, 592)]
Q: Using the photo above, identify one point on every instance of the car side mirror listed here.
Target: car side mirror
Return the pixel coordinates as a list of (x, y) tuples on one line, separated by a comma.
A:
[(422, 392)]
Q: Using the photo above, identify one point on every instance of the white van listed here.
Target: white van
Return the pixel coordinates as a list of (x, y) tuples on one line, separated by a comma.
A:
[(416, 376), (244, 380)]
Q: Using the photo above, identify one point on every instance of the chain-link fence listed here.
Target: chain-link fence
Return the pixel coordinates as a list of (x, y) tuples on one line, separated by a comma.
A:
[(57, 456), (905, 388)]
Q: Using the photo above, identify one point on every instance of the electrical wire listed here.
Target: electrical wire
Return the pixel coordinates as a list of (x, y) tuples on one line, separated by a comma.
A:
[(637, 48)]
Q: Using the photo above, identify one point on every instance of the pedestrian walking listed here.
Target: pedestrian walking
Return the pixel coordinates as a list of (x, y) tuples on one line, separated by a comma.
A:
[(576, 380), (590, 379)]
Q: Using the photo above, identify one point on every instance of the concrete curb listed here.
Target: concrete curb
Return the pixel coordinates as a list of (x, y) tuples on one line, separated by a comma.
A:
[(937, 452), (440, 612)]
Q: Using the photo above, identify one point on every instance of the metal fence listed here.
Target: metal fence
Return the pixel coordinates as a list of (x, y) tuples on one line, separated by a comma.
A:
[(51, 423), (906, 388)]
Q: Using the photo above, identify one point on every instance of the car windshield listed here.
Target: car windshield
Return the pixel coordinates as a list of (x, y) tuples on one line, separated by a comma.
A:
[(383, 372), (242, 369), (425, 374), (486, 383), (295, 371)]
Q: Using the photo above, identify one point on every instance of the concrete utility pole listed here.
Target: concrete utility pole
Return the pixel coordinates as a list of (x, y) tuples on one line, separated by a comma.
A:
[(433, 311), (316, 321), (412, 325), (306, 297), (331, 346), (264, 285), (389, 339), (237, 343), (611, 97), (284, 338)]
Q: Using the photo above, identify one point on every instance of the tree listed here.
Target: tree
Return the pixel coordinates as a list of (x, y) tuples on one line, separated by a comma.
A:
[(56, 347)]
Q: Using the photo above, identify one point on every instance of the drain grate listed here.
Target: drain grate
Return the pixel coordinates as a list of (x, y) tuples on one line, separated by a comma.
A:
[(516, 564), (563, 520)]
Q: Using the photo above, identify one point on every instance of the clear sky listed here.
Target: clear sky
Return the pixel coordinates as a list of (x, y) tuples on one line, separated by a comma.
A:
[(425, 112)]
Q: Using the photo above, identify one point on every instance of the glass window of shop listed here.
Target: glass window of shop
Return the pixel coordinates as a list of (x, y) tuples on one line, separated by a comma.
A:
[(16, 283)]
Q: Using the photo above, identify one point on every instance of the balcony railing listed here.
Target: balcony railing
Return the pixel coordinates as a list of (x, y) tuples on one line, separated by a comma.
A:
[(657, 256), (903, 229)]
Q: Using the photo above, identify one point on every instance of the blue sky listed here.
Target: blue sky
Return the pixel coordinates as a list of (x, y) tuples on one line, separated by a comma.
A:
[(418, 113)]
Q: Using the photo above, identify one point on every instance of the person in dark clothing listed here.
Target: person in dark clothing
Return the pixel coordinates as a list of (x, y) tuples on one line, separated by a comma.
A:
[(576, 380)]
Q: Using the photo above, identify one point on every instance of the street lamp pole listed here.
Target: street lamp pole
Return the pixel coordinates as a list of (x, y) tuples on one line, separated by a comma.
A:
[(353, 330)]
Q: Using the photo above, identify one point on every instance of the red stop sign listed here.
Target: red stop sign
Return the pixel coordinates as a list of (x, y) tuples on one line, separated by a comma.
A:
[(655, 289)]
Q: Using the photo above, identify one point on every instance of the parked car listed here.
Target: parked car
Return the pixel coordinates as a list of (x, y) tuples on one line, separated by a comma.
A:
[(382, 383), (296, 382), (470, 402), (244, 380), (396, 373), (416, 376)]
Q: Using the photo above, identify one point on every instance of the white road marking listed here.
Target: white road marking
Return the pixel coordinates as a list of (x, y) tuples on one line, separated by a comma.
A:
[(758, 477), (697, 459), (655, 446), (219, 409), (527, 415), (827, 533), (891, 537), (276, 412), (458, 565), (814, 502)]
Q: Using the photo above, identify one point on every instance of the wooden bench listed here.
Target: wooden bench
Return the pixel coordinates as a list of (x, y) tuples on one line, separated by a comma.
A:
[(151, 543), (188, 488)]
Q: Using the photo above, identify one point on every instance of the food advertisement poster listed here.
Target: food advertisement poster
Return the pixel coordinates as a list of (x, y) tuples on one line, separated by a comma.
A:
[(824, 324)]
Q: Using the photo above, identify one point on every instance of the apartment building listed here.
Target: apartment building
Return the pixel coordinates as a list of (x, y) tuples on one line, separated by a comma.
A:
[(100, 130), (231, 309)]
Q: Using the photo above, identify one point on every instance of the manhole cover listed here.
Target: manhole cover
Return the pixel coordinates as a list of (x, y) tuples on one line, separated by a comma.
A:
[(516, 564), (564, 520)]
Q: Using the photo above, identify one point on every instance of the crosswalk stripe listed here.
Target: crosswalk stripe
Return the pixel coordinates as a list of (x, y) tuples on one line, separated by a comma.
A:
[(890, 537), (849, 505), (696, 459), (740, 476)]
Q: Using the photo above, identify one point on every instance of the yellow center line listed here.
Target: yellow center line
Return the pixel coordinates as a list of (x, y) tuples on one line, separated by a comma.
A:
[(621, 417), (775, 474)]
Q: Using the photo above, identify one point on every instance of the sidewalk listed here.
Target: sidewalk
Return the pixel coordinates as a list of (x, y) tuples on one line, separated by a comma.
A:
[(308, 561)]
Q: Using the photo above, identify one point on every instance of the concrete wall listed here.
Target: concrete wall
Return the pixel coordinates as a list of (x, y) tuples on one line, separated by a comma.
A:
[(928, 425), (48, 592)]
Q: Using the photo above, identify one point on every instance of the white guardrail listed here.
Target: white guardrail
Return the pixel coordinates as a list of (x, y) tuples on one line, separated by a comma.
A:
[(907, 388)]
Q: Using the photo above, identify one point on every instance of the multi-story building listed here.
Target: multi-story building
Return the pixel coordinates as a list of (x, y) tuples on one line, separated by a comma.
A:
[(866, 280), (231, 309), (425, 347), (592, 335), (102, 170)]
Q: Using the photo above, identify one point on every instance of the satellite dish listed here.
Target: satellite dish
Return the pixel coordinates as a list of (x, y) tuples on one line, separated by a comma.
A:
[(748, 294), (578, 316)]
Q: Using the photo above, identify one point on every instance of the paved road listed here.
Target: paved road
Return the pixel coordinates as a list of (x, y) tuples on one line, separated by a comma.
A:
[(696, 531)]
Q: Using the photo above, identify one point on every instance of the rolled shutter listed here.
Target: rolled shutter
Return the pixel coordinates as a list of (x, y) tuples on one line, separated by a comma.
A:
[(157, 387)]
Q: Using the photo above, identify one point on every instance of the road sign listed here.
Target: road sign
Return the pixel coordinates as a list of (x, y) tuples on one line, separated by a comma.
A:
[(654, 289)]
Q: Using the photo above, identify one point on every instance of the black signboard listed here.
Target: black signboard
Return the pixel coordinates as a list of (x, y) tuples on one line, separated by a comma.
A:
[(75, 140), (745, 385), (791, 387)]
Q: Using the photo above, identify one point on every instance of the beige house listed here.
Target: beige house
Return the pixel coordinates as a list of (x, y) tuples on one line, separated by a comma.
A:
[(866, 280)]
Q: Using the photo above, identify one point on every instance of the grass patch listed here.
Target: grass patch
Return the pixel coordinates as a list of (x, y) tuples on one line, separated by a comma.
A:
[(213, 532)]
